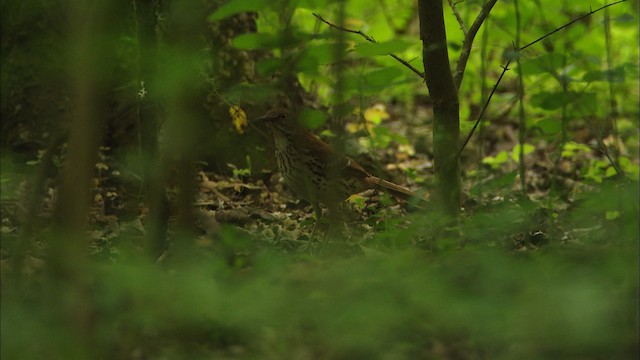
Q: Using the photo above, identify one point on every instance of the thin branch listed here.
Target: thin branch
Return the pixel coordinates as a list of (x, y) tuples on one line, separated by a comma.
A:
[(403, 62), (605, 151), (372, 40), (458, 17), (468, 40), (505, 68), (367, 37)]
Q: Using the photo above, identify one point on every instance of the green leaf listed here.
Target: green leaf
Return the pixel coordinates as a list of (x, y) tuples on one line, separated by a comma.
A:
[(515, 153), (381, 137), (373, 81), (320, 54), (312, 119), (584, 99), (571, 148), (496, 161), (615, 75), (550, 126), (382, 77), (558, 99), (550, 100), (611, 171), (237, 6), (612, 214), (254, 41), (542, 64), (268, 66), (625, 19), (327, 133), (374, 49)]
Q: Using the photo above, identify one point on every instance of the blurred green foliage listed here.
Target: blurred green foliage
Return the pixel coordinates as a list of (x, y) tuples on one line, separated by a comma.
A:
[(474, 303)]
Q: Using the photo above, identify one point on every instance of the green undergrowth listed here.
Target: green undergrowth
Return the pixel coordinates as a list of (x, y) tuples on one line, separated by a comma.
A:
[(573, 296), (463, 304)]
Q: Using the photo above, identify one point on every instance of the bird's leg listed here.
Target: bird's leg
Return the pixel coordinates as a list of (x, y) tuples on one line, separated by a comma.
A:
[(326, 222), (338, 219), (318, 212)]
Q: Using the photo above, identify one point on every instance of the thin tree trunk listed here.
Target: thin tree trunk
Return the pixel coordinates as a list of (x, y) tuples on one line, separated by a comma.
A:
[(446, 118), (153, 182), (92, 61)]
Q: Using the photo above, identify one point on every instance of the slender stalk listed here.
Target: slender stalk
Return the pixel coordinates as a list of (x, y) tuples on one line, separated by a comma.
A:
[(521, 113), (484, 94), (612, 98)]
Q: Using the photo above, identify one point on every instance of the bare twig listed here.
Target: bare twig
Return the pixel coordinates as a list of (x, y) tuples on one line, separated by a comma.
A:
[(468, 40), (604, 149), (458, 17), (367, 37), (372, 40)]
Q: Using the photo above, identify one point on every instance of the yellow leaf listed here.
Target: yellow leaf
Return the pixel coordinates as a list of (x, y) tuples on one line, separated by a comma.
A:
[(357, 200), (239, 118), (353, 127), (376, 114), (406, 149)]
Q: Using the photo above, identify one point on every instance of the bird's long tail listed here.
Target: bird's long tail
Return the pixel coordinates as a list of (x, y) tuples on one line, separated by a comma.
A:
[(392, 189)]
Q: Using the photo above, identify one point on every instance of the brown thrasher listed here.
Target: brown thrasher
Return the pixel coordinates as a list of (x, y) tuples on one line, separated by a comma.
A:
[(316, 172)]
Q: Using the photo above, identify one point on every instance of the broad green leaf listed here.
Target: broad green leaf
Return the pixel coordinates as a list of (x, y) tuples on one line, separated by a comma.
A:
[(515, 153), (630, 168), (237, 6), (550, 126), (542, 64), (550, 100), (625, 19), (571, 148), (496, 161), (393, 46), (611, 171), (327, 133), (313, 56), (612, 214), (310, 66), (254, 41), (556, 100), (321, 54), (373, 81), (268, 66), (382, 77), (312, 119), (615, 75), (381, 137)]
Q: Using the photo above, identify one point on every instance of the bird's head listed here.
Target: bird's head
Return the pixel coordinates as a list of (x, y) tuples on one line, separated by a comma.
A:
[(280, 120)]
